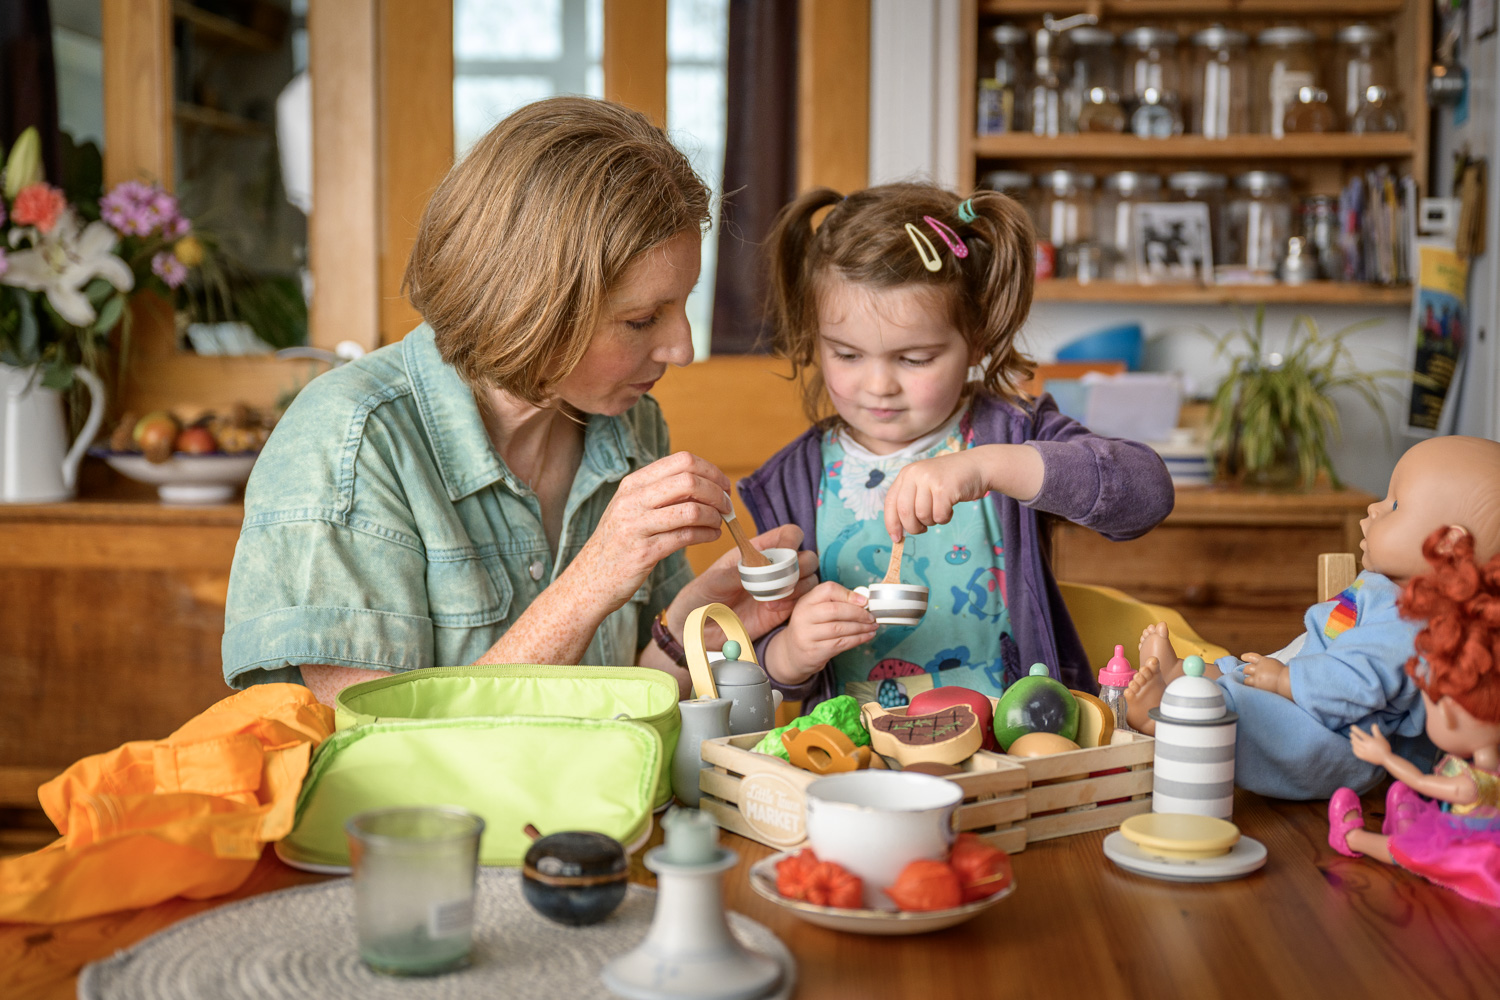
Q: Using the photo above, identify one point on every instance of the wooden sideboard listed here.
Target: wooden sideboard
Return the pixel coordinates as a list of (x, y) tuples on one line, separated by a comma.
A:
[(1241, 567)]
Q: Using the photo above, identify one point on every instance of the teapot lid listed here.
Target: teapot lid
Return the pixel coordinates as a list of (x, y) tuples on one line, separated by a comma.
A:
[(737, 673)]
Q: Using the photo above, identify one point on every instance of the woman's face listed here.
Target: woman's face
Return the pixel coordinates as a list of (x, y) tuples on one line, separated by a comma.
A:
[(643, 330)]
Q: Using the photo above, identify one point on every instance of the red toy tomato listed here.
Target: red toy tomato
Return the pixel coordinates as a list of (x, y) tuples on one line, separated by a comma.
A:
[(822, 883), (926, 885), (793, 873), (939, 698), (982, 870)]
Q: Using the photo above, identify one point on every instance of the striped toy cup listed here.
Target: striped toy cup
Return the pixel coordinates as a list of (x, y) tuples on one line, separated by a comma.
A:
[(773, 582), (1193, 770), (895, 603)]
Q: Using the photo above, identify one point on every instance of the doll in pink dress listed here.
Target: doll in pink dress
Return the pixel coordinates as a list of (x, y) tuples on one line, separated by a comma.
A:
[(1445, 826)]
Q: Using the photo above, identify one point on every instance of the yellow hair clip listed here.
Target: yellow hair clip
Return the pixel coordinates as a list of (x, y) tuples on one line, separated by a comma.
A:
[(925, 249)]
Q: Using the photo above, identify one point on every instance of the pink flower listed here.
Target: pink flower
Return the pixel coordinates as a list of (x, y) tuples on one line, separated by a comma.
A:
[(169, 269), (137, 209), (39, 205), (177, 228)]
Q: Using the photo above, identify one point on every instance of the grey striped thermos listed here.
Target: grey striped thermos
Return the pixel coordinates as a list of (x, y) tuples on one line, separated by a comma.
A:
[(1194, 766)]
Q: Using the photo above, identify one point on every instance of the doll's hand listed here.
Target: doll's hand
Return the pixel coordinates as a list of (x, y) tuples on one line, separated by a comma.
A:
[(828, 620), (1268, 674), (1371, 747)]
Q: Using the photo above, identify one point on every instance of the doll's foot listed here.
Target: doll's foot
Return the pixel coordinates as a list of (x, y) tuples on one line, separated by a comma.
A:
[(1401, 807), (1156, 643), (1142, 695), (1344, 817)]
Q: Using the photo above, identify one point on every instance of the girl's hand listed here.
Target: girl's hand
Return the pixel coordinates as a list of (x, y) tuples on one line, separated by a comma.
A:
[(828, 620), (672, 503), (1371, 747), (720, 584), (924, 493)]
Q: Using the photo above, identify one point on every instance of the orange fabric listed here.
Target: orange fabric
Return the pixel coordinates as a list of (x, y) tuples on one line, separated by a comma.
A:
[(184, 816)]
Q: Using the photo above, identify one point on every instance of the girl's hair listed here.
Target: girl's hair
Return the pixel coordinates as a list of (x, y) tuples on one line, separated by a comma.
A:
[(526, 235), (863, 239), (1459, 650)]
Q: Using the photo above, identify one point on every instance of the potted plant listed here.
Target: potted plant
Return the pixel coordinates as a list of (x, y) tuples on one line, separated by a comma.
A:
[(1273, 414)]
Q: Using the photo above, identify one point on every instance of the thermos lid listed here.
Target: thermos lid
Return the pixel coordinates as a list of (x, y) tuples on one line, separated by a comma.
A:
[(1193, 699)]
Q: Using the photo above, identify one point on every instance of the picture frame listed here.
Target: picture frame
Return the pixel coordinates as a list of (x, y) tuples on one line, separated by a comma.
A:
[(1173, 243)]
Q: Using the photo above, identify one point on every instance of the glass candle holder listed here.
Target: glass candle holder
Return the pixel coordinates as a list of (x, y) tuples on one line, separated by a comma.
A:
[(414, 873)]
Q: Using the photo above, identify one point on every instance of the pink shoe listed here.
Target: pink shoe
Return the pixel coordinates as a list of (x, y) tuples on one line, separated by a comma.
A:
[(1402, 805), (1343, 803)]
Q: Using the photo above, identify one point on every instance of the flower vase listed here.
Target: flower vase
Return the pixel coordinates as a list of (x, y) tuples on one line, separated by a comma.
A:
[(37, 462)]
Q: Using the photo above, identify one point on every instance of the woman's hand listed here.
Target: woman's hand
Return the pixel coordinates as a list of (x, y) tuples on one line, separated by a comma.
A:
[(924, 493), (1371, 747), (830, 620), (720, 584), (672, 503)]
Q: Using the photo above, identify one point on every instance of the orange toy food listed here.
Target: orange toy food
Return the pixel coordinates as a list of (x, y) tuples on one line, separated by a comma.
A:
[(824, 750), (822, 883), (926, 885), (982, 870)]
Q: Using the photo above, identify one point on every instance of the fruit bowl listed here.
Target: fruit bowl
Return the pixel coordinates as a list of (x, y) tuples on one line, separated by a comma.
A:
[(185, 478)]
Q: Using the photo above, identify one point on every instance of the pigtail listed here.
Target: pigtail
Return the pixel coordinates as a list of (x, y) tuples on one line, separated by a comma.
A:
[(792, 305), (1001, 282), (1458, 652)]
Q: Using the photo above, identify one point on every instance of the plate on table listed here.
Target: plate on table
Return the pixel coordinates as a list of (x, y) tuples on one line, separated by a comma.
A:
[(1247, 855), (884, 922)]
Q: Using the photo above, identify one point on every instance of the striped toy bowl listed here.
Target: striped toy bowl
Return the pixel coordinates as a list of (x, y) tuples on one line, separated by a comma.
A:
[(773, 582), (895, 603)]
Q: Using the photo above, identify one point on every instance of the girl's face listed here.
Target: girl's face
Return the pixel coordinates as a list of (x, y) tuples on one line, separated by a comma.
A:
[(643, 330), (894, 364)]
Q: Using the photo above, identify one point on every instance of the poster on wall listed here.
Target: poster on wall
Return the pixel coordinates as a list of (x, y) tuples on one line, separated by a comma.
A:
[(1440, 318)]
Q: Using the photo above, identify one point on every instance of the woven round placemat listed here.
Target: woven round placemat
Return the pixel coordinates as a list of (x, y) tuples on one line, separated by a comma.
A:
[(300, 943)]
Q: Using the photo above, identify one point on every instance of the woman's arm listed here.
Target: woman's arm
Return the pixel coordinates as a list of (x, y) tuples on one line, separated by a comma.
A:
[(325, 681)]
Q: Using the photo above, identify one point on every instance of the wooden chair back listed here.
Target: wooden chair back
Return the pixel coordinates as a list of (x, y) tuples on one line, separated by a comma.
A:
[(1336, 571)]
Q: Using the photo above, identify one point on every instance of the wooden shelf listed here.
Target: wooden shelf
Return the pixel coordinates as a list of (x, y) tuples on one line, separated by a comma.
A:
[(222, 28), (1311, 293), (1109, 146), (223, 121), (1189, 8)]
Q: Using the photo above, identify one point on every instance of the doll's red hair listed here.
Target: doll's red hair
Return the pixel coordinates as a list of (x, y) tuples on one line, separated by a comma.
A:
[(1459, 650)]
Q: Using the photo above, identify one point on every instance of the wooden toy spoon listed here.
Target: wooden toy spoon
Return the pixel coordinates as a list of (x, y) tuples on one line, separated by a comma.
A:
[(749, 554), (893, 571)]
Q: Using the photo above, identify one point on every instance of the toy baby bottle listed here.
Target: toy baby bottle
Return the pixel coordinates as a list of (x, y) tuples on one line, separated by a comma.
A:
[(1113, 680), (1194, 765)]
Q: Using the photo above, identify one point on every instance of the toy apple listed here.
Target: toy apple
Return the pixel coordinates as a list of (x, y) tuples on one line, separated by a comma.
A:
[(1035, 703), (155, 434), (197, 441), (938, 698)]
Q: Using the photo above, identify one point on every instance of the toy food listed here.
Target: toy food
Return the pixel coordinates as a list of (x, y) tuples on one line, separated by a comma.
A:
[(1035, 703), (824, 750), (1096, 720), (932, 768), (1041, 745), (842, 713), (939, 698), (982, 870), (927, 885), (822, 883), (946, 737), (575, 878)]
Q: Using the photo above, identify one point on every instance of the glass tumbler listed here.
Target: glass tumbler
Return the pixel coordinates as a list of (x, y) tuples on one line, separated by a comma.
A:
[(414, 874)]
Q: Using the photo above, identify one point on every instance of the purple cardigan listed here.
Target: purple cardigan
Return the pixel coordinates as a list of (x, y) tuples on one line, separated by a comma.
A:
[(1119, 488)]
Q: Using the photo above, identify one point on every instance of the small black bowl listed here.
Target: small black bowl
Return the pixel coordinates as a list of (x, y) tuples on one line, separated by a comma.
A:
[(575, 878)]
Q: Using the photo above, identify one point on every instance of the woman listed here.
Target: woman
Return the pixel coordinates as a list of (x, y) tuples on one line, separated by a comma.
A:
[(497, 487)]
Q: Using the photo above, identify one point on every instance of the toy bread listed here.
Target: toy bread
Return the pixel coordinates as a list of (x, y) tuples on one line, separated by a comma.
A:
[(1096, 721), (824, 750), (949, 736)]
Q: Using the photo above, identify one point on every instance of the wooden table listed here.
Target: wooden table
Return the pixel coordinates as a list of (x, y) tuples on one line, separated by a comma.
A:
[(1310, 924)]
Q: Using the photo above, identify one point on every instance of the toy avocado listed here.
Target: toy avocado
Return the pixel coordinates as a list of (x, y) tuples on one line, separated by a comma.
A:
[(1035, 704)]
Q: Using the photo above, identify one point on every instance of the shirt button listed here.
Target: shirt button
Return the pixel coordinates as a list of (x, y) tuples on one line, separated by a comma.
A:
[(535, 569)]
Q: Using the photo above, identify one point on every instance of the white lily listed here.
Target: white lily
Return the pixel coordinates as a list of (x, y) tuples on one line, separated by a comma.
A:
[(62, 262)]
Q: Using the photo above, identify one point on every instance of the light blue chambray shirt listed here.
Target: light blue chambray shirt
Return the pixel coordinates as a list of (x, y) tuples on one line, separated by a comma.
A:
[(383, 531)]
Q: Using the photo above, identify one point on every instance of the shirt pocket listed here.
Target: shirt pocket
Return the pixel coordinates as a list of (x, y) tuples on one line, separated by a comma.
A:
[(463, 592)]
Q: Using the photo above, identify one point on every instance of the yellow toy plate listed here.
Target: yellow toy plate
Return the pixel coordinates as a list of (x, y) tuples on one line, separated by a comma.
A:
[(1180, 835)]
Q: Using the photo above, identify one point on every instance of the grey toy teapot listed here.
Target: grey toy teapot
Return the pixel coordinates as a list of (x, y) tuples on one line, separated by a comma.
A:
[(754, 703)]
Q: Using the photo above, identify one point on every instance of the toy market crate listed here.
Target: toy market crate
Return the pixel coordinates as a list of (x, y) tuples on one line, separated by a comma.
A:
[(1009, 801)]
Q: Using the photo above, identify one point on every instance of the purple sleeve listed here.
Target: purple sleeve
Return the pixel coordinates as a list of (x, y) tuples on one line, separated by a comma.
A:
[(1119, 488)]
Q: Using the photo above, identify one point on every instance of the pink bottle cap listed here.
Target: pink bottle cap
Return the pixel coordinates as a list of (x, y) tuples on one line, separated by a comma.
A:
[(1118, 671)]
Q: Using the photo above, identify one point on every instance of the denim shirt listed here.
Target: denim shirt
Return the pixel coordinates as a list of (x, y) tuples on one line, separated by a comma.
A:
[(383, 531)]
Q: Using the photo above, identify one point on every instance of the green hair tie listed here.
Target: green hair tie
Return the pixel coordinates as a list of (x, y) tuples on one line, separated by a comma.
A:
[(966, 211)]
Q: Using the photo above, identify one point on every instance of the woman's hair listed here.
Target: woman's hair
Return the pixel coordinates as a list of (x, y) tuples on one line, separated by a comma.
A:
[(1458, 653), (863, 239), (526, 235)]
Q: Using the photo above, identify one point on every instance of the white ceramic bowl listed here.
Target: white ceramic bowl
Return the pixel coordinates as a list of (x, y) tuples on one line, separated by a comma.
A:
[(773, 582), (184, 478), (895, 603), (875, 823)]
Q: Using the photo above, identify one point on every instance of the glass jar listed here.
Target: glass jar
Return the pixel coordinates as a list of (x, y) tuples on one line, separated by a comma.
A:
[(1378, 112), (1114, 219), (1209, 188), (1064, 214), (1285, 63), (1361, 60), (1151, 92), (1320, 232), (1094, 67), (1002, 70), (1310, 113), (1259, 218), (1220, 93)]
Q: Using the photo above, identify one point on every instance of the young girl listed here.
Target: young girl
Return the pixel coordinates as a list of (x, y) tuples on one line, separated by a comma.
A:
[(1457, 843), (886, 304)]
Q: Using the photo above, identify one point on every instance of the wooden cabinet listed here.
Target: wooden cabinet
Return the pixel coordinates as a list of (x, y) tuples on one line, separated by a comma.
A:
[(1241, 567)]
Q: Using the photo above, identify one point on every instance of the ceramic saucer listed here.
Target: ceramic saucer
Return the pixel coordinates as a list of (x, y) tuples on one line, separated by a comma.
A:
[(882, 922), (1247, 855)]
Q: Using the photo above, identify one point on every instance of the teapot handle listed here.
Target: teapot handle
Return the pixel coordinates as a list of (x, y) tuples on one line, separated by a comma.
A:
[(90, 426), (697, 655)]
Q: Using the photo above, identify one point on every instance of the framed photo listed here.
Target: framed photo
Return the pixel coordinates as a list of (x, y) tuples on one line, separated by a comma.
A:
[(1172, 243)]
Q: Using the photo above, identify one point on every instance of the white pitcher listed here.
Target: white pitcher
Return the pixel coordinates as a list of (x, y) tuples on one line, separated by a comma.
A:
[(36, 463)]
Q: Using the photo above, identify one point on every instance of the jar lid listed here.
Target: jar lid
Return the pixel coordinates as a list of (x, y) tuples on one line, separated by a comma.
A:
[(1057, 180), (1007, 34), (1193, 698), (1260, 181), (1197, 180), (1359, 34), (1146, 37), (1286, 34), (1089, 35), (1006, 180), (1218, 37), (1131, 181)]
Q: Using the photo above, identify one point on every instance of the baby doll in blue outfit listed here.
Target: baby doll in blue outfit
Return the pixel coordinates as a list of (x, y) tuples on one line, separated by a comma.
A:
[(1347, 669)]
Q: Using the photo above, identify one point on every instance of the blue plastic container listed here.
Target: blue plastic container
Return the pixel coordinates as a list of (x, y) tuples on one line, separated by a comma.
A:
[(1117, 343)]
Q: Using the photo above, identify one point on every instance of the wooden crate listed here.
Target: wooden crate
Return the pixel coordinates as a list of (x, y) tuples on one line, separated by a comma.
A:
[(1009, 801)]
